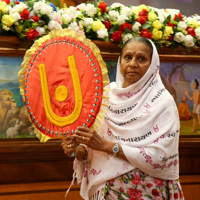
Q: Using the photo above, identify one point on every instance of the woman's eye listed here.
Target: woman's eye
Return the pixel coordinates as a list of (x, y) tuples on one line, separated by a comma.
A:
[(127, 57), (142, 59)]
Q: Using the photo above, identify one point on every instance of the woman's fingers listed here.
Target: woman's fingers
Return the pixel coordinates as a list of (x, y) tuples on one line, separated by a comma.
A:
[(69, 145)]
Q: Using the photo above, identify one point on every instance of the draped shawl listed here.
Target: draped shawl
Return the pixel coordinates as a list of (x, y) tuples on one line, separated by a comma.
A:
[(143, 119)]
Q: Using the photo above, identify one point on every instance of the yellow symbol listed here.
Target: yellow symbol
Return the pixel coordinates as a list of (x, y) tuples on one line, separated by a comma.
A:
[(61, 93), (53, 118)]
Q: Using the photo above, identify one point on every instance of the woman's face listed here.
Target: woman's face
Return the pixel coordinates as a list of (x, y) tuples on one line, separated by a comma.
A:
[(194, 85), (135, 61)]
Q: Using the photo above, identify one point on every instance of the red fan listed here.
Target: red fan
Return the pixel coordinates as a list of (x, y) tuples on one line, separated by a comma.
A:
[(63, 79)]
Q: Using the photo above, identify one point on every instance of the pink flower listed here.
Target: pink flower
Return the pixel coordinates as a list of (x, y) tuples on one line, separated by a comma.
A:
[(158, 182)]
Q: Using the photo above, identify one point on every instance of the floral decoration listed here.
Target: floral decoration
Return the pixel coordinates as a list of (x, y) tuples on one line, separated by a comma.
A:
[(31, 19)]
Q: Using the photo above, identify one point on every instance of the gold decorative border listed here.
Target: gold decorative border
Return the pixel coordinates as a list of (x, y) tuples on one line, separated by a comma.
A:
[(78, 36)]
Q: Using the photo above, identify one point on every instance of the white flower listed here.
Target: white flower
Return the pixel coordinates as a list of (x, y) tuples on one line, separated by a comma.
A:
[(32, 13), (182, 25), (6, 28), (81, 6), (74, 26), (102, 33), (126, 11), (87, 21), (172, 12), (38, 6), (16, 16), (41, 30), (121, 19), (113, 14), (136, 26), (179, 37), (197, 31), (162, 15), (189, 42), (126, 37), (54, 25), (72, 12), (18, 8), (90, 10), (115, 5), (46, 9), (43, 8), (66, 18)]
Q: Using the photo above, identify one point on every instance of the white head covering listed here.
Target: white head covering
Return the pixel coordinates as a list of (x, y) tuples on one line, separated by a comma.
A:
[(143, 119)]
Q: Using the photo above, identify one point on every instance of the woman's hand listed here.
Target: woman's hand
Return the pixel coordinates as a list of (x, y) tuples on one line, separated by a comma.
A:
[(89, 137), (69, 145)]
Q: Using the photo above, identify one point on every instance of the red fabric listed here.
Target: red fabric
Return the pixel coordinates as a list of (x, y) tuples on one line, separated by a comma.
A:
[(55, 58)]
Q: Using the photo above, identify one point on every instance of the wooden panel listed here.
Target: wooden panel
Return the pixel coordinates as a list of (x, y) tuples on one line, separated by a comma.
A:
[(57, 190), (35, 191), (28, 160), (190, 185), (12, 45)]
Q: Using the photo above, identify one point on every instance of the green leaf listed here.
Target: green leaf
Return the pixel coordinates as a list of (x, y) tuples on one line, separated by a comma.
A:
[(1, 30), (114, 28), (64, 25), (1, 14), (127, 31), (150, 29), (27, 24), (143, 186), (147, 25), (45, 18), (101, 18)]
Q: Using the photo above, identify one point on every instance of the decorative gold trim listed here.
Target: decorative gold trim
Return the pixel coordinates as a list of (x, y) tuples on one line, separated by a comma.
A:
[(96, 52)]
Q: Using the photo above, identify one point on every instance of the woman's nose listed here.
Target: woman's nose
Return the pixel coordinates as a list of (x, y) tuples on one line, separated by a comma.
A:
[(133, 63)]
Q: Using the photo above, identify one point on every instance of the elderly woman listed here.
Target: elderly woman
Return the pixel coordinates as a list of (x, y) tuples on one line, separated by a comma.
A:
[(134, 155)]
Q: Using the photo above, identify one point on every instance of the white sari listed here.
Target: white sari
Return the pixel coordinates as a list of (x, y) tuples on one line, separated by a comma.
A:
[(143, 119)]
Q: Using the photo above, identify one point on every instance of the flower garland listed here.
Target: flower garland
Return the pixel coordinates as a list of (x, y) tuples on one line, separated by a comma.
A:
[(31, 19)]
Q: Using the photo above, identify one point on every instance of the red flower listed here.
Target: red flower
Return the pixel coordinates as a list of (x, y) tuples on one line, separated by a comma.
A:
[(170, 38), (31, 34), (102, 6), (143, 13), (107, 24), (181, 194), (191, 31), (77, 9), (175, 195), (116, 36), (149, 185), (124, 26), (145, 33), (35, 18), (134, 194), (170, 24), (141, 20), (7, 1), (17, 2), (179, 15), (137, 179), (155, 193), (121, 190), (24, 14)]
